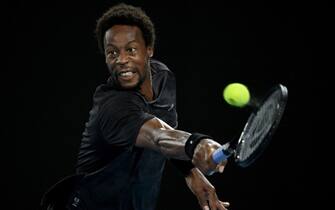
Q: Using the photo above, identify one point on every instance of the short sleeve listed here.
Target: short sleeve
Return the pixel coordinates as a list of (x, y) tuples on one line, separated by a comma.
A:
[(121, 117)]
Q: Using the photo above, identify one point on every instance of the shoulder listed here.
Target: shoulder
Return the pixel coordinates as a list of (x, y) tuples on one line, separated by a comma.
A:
[(161, 73), (106, 98), (105, 93), (159, 67), (123, 99)]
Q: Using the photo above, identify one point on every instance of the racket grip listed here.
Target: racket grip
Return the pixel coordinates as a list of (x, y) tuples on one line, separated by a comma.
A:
[(221, 154)]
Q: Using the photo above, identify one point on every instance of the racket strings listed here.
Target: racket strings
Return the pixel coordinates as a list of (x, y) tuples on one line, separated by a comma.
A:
[(262, 122)]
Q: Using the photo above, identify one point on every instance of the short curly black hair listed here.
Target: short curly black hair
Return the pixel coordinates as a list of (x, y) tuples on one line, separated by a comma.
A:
[(126, 15)]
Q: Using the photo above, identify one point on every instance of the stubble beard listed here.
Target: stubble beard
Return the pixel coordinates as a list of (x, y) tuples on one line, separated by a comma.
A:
[(142, 77)]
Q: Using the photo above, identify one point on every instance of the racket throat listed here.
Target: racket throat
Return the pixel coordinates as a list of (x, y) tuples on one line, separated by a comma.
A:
[(228, 152), (223, 153)]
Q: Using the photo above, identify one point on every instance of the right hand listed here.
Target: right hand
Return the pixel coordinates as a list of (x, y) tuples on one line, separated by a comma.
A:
[(202, 157)]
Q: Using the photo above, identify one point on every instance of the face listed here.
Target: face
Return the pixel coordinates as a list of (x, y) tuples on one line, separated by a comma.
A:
[(127, 56)]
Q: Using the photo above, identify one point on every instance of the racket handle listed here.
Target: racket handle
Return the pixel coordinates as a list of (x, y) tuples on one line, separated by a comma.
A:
[(222, 154)]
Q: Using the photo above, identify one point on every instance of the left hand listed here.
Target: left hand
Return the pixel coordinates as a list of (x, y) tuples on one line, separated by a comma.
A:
[(204, 191)]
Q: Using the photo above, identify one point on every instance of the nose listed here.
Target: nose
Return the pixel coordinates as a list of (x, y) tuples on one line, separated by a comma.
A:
[(122, 58)]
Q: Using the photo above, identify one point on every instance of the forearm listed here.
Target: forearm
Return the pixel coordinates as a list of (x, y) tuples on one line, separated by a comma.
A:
[(171, 143), (157, 135)]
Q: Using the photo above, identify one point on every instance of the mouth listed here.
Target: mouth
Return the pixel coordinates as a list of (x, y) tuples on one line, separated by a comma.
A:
[(126, 74)]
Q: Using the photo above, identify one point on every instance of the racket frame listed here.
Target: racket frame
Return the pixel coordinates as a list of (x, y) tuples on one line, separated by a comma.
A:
[(244, 135)]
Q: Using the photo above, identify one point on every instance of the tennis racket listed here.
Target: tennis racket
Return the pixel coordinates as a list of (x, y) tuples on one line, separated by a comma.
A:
[(258, 131)]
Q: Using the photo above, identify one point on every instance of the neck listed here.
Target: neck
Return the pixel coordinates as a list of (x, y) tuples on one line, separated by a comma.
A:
[(146, 88)]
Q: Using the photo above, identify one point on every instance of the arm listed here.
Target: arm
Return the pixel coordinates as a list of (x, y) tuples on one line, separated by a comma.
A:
[(159, 136), (204, 191)]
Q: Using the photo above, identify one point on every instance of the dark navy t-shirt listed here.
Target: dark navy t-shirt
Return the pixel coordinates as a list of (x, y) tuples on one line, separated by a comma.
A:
[(120, 175)]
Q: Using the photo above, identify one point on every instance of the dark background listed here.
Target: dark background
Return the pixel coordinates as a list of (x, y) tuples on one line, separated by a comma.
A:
[(53, 66)]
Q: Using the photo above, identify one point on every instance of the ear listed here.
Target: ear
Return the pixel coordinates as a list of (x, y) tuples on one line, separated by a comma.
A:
[(150, 51)]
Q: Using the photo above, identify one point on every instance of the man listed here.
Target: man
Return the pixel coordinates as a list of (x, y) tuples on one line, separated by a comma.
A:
[(132, 126)]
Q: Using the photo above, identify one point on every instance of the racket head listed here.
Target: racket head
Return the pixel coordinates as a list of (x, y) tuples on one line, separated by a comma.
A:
[(260, 126)]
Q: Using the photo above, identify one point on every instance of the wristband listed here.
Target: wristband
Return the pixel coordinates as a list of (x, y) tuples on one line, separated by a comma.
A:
[(192, 143)]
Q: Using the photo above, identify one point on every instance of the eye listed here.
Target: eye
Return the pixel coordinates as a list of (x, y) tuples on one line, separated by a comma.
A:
[(131, 50), (111, 54)]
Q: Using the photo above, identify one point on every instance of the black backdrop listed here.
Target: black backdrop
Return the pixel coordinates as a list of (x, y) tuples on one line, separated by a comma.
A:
[(54, 66)]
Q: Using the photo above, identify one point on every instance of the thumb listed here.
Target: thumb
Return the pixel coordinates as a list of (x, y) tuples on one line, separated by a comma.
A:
[(221, 168)]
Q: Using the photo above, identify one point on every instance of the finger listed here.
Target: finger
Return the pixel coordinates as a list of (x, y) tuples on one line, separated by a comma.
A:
[(220, 167), (225, 204), (222, 205), (217, 204), (214, 202), (203, 203)]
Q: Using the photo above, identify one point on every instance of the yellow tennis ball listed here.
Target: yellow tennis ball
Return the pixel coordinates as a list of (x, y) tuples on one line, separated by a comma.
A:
[(236, 94)]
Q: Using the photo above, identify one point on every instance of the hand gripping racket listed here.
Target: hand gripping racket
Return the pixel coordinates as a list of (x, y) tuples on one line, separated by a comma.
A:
[(258, 131)]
